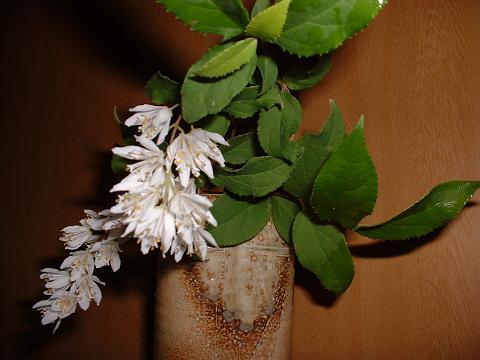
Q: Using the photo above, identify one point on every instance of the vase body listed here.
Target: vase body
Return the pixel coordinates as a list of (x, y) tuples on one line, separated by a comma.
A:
[(236, 305)]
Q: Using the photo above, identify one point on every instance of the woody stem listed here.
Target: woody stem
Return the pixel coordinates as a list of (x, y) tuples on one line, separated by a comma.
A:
[(176, 127)]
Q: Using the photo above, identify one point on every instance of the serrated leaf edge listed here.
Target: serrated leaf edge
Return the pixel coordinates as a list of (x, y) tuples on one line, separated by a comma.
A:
[(255, 195), (333, 105), (262, 13), (366, 226), (301, 55), (258, 133), (201, 71), (269, 212), (291, 85), (226, 36), (239, 136), (290, 243), (370, 159), (301, 262)]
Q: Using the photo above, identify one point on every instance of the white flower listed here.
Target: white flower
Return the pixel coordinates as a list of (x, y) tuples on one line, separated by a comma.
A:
[(77, 284), (55, 280), (106, 253), (134, 206), (157, 226), (153, 120), (200, 239), (130, 182), (148, 168), (178, 249), (191, 238), (77, 235), (194, 206), (80, 263), (169, 187), (191, 188), (113, 222), (191, 153), (57, 307), (116, 234), (87, 289), (94, 220)]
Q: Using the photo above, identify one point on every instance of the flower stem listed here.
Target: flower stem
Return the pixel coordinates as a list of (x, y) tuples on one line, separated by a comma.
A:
[(283, 86), (176, 127), (234, 131)]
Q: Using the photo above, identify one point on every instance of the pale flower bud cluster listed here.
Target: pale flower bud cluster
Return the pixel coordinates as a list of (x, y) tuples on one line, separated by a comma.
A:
[(74, 283), (159, 206)]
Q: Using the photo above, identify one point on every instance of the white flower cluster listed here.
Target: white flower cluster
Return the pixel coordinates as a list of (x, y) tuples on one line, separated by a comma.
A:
[(74, 283), (159, 206)]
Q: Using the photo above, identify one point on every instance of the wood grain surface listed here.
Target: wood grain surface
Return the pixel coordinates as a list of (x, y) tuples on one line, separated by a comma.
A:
[(414, 74)]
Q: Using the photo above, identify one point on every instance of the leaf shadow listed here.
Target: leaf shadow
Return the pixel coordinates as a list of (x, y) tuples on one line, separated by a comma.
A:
[(387, 249), (379, 249), (308, 281)]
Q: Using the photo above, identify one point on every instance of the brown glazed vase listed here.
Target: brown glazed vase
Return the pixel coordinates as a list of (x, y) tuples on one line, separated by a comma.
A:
[(236, 305)]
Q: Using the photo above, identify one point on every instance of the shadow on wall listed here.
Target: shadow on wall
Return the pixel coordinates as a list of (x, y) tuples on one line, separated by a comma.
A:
[(112, 35), (138, 276), (101, 197), (377, 249)]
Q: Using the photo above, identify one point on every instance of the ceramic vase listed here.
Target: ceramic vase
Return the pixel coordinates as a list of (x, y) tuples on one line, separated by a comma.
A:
[(236, 305)]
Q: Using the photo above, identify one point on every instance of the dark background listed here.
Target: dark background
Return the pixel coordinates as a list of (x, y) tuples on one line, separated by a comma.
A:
[(414, 74)]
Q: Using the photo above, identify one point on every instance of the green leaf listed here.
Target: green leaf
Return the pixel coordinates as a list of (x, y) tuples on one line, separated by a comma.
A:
[(227, 18), (162, 90), (248, 103), (322, 250), (271, 97), (235, 10), (270, 132), (200, 181), (242, 148), (441, 205), (284, 212), (216, 123), (268, 70), (259, 176), (245, 104), (268, 24), (119, 165), (201, 97), (128, 135), (307, 73), (318, 26), (238, 220), (316, 150), (287, 125), (291, 114), (345, 189), (273, 136), (259, 6), (229, 60)]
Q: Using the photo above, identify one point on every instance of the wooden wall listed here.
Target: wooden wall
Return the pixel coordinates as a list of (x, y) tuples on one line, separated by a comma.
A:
[(414, 74)]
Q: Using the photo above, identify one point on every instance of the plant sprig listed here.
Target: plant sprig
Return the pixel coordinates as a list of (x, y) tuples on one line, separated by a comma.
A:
[(246, 87)]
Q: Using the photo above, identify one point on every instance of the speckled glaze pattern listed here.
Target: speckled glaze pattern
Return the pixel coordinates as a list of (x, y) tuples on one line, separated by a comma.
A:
[(236, 305)]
